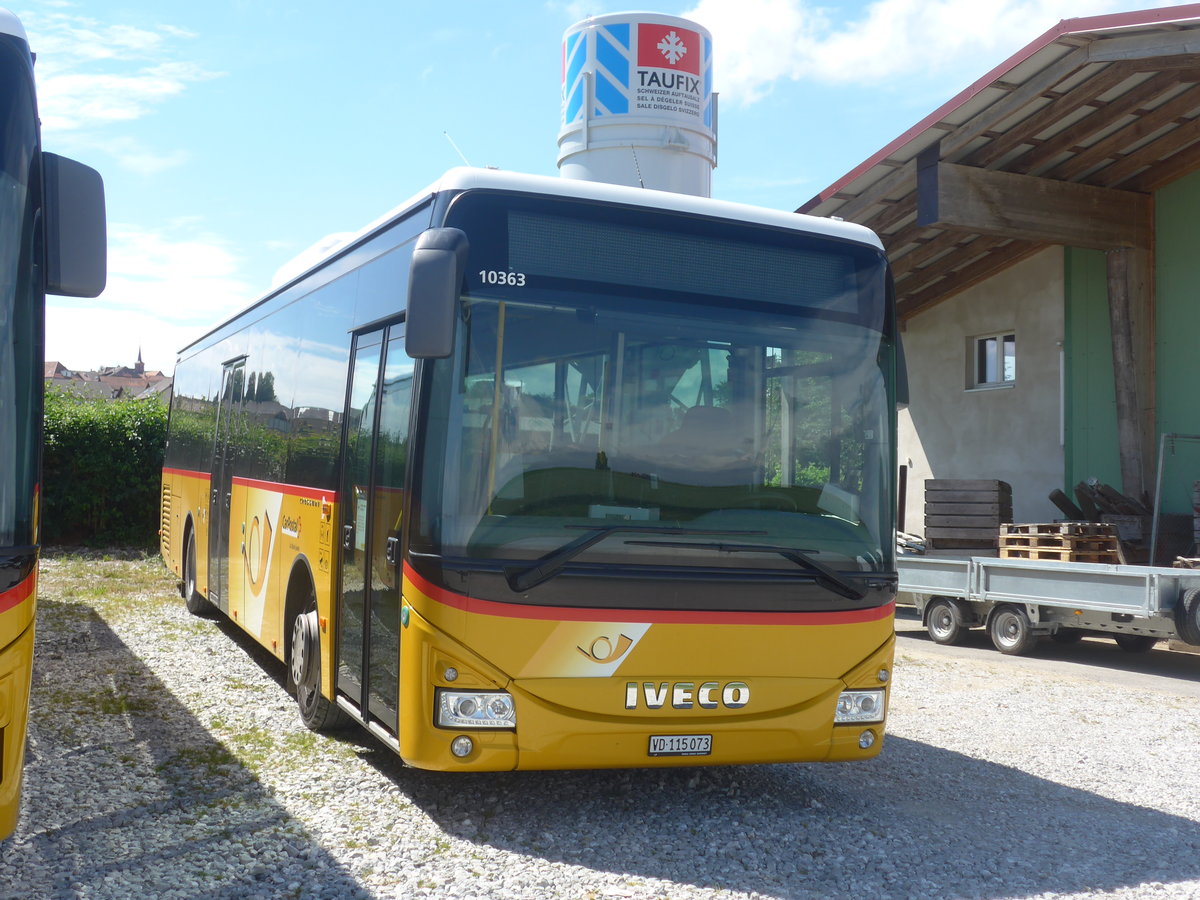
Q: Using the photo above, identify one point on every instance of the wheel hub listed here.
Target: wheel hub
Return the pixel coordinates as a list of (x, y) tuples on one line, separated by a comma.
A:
[(304, 643)]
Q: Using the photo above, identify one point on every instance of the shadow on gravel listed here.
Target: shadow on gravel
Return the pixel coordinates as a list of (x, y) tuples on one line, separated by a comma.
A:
[(917, 822), (128, 795)]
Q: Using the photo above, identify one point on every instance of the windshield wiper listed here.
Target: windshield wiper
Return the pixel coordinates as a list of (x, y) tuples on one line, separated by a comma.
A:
[(826, 577), (522, 578)]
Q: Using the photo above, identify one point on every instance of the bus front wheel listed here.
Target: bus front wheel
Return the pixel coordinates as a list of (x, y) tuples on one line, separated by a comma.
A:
[(304, 673)]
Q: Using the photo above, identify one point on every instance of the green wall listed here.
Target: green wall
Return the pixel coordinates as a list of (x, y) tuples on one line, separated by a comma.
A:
[(1091, 405), (1091, 427), (1177, 297)]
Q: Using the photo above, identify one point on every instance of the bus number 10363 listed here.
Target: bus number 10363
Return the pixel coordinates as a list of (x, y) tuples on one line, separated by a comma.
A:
[(495, 276)]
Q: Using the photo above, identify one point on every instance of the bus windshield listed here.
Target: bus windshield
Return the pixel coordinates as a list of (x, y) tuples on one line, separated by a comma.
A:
[(20, 344), (636, 389)]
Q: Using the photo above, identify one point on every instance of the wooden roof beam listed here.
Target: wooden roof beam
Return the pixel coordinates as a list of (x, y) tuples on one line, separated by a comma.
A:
[(1113, 147), (1071, 138), (1144, 45), (1061, 106), (909, 304), (1026, 208), (899, 180)]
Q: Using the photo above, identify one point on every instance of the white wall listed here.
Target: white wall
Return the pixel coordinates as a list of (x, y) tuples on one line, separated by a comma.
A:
[(1010, 433)]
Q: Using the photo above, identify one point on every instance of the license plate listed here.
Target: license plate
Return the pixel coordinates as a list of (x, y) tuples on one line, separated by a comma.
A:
[(680, 744)]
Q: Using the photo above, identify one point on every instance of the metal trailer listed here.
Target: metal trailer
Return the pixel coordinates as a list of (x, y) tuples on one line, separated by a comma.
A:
[(1020, 600)]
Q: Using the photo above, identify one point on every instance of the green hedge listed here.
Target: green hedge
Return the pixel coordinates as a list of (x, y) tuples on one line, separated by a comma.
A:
[(102, 469)]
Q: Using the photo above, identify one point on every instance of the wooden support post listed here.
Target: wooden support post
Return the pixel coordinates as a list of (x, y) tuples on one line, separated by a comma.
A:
[(1122, 277)]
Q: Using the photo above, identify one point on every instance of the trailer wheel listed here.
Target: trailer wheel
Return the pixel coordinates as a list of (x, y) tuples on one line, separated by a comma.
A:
[(942, 623), (1011, 631), (1135, 643), (1067, 636), (1187, 616)]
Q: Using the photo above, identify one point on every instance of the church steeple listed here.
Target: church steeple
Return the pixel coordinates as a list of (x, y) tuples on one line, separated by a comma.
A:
[(140, 368)]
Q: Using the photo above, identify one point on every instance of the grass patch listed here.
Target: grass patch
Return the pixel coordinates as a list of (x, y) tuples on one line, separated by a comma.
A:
[(115, 584)]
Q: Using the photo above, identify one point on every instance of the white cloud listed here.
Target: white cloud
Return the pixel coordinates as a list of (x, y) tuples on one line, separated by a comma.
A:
[(93, 76), (760, 42), (164, 290)]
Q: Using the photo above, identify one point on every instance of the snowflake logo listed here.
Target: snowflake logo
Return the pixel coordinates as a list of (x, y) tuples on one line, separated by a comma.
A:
[(672, 48)]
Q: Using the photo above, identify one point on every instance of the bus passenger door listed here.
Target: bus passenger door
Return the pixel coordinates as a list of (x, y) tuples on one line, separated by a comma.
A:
[(372, 492), (229, 412)]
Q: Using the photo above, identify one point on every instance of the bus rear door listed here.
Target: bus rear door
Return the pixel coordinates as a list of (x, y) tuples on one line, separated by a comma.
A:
[(225, 451)]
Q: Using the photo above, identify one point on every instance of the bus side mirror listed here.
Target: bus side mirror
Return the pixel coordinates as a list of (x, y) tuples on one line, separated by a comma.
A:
[(76, 238), (434, 280), (901, 375)]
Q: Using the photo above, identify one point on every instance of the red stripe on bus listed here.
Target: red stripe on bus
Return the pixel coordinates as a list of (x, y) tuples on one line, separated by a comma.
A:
[(13, 598), (187, 473), (653, 616), (292, 489)]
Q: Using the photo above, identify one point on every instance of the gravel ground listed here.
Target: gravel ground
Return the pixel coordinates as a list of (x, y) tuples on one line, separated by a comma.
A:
[(166, 760)]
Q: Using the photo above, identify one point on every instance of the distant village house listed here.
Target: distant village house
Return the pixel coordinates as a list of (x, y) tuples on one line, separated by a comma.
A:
[(110, 382)]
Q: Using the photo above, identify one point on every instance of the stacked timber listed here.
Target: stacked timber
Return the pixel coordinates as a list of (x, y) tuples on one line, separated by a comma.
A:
[(1061, 542), (964, 515), (1134, 522), (1196, 514)]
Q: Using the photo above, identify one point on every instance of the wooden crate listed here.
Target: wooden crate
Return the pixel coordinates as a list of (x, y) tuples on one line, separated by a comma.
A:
[(965, 514)]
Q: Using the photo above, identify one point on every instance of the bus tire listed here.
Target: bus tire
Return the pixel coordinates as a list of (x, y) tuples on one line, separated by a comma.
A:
[(1011, 631), (1187, 616), (1135, 643), (304, 672), (944, 623), (197, 603)]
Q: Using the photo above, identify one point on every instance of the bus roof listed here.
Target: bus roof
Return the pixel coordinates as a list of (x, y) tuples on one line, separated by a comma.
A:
[(10, 24), (463, 179)]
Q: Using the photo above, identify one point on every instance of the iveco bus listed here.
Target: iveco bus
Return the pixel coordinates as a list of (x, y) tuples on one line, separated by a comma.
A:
[(542, 473), (52, 239)]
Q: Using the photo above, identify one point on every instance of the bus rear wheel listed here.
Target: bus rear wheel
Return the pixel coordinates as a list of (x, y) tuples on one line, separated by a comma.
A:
[(197, 603), (304, 673)]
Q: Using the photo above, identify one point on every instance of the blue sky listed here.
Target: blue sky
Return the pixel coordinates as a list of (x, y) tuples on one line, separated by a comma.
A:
[(234, 134)]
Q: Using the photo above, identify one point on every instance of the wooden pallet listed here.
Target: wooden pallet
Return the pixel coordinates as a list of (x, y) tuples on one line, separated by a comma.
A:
[(1059, 554), (1086, 529), (1062, 541), (1059, 541)]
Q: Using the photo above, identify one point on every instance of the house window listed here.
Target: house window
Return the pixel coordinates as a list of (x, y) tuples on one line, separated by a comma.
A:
[(995, 360)]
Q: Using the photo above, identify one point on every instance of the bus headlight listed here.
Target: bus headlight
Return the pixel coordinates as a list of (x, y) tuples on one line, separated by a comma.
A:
[(859, 706), (475, 709)]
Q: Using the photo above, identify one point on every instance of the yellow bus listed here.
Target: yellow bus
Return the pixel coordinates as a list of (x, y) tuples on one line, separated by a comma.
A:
[(52, 240), (535, 473)]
